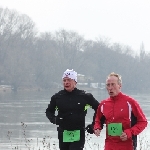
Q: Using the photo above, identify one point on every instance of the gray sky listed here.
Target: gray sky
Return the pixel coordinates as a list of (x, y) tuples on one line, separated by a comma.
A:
[(123, 21)]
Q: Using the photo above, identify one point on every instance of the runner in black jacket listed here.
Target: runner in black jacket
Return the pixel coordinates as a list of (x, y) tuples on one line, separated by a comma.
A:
[(71, 104)]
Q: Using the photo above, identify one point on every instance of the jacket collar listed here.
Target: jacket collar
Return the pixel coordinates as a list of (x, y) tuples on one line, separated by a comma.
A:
[(116, 97), (73, 91)]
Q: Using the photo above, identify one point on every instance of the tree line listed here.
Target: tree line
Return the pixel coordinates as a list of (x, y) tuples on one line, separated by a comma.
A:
[(29, 58)]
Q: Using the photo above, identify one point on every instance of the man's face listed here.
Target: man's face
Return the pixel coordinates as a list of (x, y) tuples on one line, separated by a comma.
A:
[(112, 85), (69, 84)]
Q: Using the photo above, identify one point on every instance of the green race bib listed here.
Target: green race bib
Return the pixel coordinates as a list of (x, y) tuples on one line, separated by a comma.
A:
[(71, 136), (115, 129)]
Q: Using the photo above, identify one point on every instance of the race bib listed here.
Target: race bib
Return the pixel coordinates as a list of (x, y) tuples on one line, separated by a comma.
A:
[(71, 136), (115, 129)]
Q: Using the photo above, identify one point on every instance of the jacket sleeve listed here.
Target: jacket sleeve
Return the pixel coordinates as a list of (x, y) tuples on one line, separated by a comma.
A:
[(141, 120), (50, 111), (94, 104), (92, 101), (99, 121)]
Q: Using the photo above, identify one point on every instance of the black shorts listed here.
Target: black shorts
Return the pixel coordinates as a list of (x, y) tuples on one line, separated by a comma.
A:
[(77, 145)]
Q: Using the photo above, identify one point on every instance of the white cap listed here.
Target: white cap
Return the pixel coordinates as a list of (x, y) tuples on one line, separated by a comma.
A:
[(70, 74)]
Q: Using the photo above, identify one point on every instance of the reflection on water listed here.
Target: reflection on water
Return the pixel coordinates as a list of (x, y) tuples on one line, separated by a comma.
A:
[(29, 108)]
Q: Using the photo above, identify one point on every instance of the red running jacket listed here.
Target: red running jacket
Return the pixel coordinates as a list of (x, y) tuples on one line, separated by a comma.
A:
[(119, 109)]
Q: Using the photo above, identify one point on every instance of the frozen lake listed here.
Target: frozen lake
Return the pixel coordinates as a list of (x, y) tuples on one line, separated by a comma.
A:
[(24, 125)]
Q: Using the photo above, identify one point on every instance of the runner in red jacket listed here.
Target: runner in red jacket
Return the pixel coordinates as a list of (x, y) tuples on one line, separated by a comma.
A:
[(122, 115)]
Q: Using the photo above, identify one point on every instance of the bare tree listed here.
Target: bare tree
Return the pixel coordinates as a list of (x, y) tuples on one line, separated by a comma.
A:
[(16, 33)]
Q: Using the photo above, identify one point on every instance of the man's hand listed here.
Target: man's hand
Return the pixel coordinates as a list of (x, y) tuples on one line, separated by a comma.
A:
[(123, 136), (97, 132), (89, 129)]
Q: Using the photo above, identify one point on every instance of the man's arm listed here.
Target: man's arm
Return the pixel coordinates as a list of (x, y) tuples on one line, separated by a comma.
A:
[(50, 111), (141, 123), (94, 105), (99, 119), (92, 101)]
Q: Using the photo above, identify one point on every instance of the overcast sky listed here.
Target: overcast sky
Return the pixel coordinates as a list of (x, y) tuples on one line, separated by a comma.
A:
[(124, 21)]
